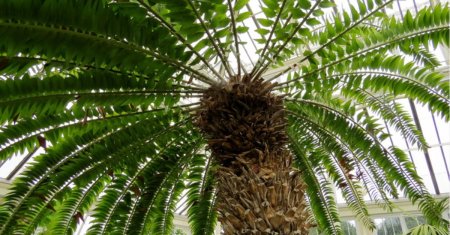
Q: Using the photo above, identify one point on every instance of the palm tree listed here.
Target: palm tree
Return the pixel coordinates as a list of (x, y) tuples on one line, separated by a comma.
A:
[(139, 102)]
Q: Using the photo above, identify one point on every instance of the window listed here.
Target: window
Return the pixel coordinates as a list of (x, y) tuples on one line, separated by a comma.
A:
[(388, 226), (413, 221)]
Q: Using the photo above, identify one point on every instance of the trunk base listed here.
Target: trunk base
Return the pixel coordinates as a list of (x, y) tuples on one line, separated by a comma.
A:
[(265, 198)]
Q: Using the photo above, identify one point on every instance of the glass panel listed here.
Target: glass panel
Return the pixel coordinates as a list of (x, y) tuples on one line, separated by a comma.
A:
[(349, 227), (443, 128), (412, 222), (427, 125), (17, 163), (6, 167), (338, 196), (9, 165), (397, 139), (422, 169), (388, 226), (82, 229), (439, 168), (446, 149)]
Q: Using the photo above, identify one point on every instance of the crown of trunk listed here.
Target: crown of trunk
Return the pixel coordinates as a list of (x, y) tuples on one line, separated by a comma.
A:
[(241, 119)]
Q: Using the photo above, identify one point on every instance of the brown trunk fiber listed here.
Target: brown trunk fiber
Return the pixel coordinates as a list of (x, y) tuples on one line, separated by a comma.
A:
[(258, 190), (266, 198)]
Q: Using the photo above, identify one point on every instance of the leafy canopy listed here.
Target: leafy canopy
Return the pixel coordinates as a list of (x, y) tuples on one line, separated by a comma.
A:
[(107, 88)]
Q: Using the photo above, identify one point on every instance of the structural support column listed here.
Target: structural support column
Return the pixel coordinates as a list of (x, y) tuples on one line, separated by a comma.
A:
[(425, 151)]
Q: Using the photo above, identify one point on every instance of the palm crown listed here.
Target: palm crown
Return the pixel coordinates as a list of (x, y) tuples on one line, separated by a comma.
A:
[(136, 103)]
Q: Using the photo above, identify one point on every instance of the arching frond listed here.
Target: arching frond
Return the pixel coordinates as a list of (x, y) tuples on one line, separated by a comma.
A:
[(113, 91), (201, 196), (319, 190)]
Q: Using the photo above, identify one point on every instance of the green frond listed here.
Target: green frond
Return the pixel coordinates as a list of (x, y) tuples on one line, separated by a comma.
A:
[(42, 96), (23, 135), (101, 32), (201, 196), (390, 111), (426, 229), (412, 184), (393, 162), (421, 55), (15, 66), (320, 193), (151, 188), (430, 24), (396, 66), (160, 215), (108, 89), (201, 26), (152, 184), (190, 32), (116, 194), (24, 186), (340, 164), (388, 75), (162, 218), (75, 206), (71, 160), (358, 165)]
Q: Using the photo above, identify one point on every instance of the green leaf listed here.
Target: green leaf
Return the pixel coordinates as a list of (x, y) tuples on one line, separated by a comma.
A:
[(242, 29), (297, 13), (305, 4), (265, 22), (262, 31), (243, 16), (272, 4), (195, 37), (355, 14), (240, 4), (269, 12), (304, 32), (362, 7), (313, 22), (327, 4)]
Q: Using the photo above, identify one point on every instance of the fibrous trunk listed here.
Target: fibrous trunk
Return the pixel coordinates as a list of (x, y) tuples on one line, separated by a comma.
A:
[(258, 190)]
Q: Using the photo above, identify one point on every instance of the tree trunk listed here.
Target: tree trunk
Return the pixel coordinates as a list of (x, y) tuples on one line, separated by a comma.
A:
[(266, 198), (258, 190)]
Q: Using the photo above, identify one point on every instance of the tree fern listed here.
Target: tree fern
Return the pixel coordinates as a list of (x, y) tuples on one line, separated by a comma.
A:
[(141, 104)]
